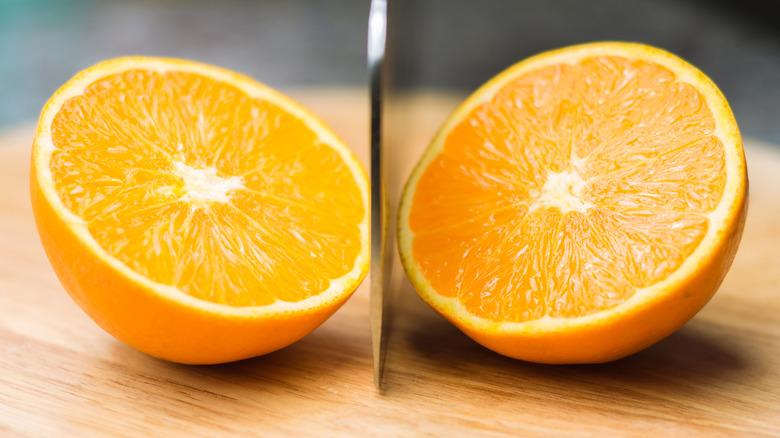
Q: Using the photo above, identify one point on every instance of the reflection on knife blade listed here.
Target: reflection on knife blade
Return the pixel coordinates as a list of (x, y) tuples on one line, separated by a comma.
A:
[(380, 266)]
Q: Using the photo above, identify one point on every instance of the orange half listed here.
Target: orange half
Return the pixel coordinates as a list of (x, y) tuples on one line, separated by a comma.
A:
[(580, 206), (194, 213)]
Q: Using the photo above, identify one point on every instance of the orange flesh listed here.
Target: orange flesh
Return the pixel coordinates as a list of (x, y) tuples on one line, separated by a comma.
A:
[(192, 183), (575, 185)]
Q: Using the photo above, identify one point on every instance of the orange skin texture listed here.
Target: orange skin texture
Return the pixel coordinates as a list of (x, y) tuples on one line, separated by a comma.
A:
[(152, 323)]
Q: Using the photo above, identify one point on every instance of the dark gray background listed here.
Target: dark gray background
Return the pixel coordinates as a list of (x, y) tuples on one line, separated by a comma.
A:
[(444, 44)]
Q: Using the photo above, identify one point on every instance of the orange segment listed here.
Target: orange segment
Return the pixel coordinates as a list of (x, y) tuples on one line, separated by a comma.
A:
[(575, 185), (194, 180), (688, 178)]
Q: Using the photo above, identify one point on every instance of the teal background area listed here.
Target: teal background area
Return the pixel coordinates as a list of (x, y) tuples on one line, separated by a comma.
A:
[(282, 43), (443, 44)]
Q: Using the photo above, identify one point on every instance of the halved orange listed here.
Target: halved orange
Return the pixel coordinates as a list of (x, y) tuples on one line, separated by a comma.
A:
[(195, 214), (580, 206)]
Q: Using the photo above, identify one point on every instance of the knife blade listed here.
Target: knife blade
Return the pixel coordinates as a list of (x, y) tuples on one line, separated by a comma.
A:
[(380, 261)]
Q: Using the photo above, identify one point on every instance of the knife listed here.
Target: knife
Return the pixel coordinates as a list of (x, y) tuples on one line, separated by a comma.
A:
[(381, 260)]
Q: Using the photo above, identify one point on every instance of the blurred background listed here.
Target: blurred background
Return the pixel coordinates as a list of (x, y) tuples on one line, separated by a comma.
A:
[(443, 44)]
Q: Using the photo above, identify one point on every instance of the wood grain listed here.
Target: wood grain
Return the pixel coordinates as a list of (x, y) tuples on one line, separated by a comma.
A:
[(61, 375)]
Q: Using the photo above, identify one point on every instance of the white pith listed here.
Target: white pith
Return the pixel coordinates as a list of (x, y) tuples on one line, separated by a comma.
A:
[(203, 186), (562, 190)]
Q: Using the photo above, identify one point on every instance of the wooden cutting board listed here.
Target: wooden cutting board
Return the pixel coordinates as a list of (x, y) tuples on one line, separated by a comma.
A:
[(61, 375)]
